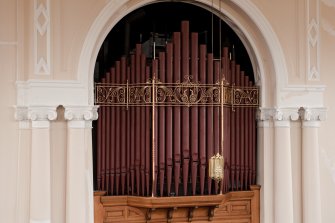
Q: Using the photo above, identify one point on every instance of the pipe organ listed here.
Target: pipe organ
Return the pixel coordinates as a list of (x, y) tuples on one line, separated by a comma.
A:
[(162, 120)]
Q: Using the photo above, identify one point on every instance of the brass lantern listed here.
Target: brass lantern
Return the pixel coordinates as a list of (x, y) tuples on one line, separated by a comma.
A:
[(216, 163)]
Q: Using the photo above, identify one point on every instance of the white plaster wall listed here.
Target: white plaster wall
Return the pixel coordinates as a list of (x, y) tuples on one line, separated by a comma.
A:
[(69, 31), (327, 142), (9, 139)]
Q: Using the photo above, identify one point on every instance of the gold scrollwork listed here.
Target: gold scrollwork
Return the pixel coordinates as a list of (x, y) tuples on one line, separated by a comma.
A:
[(185, 93)]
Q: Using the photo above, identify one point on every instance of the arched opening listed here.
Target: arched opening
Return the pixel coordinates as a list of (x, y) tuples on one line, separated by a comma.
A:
[(147, 146)]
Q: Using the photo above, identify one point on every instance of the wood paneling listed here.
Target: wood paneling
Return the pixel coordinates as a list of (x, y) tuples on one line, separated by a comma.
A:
[(233, 207)]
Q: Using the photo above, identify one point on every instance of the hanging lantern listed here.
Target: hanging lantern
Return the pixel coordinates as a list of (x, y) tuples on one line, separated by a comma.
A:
[(216, 167)]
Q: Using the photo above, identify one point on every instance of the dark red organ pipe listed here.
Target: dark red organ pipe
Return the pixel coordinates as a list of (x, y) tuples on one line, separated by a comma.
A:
[(216, 118), (233, 132), (176, 113), (194, 114), (103, 145), (113, 141), (242, 139), (168, 120), (118, 133), (226, 122), (147, 141), (209, 119), (138, 123), (185, 139), (108, 140), (202, 122), (162, 127), (123, 129), (143, 127), (128, 140), (155, 134), (132, 128)]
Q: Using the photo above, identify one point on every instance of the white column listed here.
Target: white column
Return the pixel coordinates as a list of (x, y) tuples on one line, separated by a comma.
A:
[(265, 163), (283, 194), (40, 188), (79, 181), (23, 165), (310, 164)]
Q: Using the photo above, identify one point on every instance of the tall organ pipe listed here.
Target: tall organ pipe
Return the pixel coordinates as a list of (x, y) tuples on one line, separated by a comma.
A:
[(202, 122), (123, 129), (176, 113), (209, 121), (233, 147), (216, 119), (162, 127), (108, 140), (143, 129), (113, 141), (185, 139), (118, 133), (138, 122), (103, 146), (194, 114), (132, 128), (147, 140), (169, 118)]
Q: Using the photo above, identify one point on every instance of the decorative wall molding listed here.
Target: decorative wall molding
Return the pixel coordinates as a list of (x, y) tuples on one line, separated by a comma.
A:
[(51, 93), (313, 39), (81, 116), (41, 37)]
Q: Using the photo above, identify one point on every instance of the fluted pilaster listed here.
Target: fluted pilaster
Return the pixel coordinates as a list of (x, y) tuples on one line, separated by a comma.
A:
[(311, 118), (79, 185)]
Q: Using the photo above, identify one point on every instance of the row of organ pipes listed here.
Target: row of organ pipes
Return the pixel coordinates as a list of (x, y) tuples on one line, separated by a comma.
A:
[(184, 138)]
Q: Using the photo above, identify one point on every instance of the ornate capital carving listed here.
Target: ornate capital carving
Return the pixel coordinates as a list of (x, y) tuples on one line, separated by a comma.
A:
[(286, 114), (42, 113), (81, 113), (313, 114), (278, 114)]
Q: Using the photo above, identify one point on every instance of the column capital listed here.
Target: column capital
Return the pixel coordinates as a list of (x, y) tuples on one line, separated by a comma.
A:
[(41, 116), (278, 114), (313, 114), (42, 113), (80, 116)]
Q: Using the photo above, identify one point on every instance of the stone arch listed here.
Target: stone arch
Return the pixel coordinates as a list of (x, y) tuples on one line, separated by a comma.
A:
[(243, 16)]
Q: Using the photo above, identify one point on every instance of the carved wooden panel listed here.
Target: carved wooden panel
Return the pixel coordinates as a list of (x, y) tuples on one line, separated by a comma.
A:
[(233, 207)]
